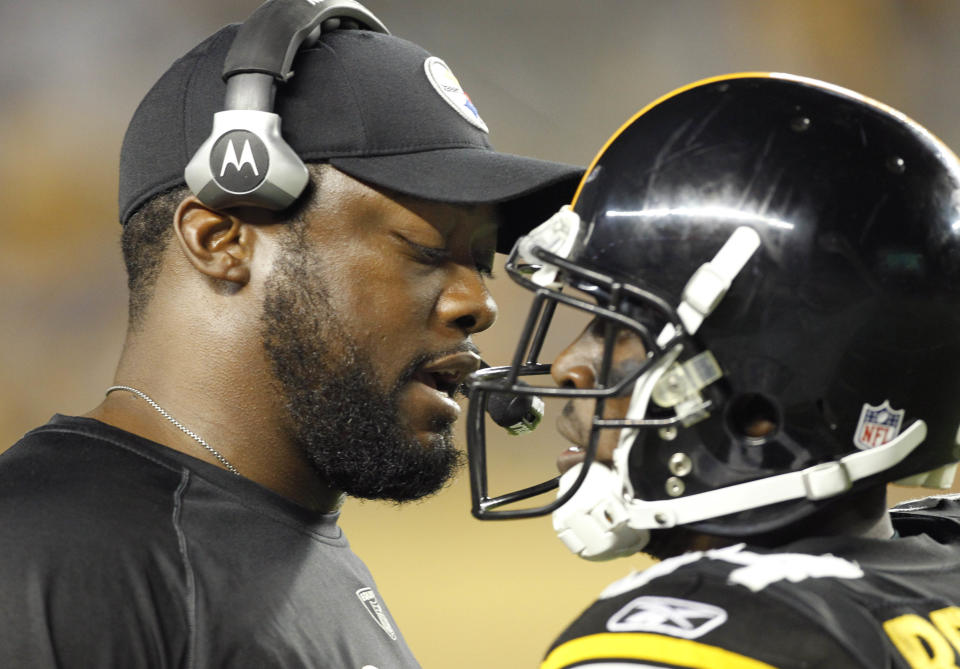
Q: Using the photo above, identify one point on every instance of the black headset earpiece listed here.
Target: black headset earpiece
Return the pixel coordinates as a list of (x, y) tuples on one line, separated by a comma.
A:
[(245, 160)]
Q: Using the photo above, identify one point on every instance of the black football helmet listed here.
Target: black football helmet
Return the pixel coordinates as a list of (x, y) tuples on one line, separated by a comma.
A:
[(787, 250)]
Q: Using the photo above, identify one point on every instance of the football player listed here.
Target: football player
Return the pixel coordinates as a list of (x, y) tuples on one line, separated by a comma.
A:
[(770, 267)]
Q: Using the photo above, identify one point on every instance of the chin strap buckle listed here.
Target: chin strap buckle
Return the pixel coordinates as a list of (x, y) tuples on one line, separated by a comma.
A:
[(826, 480), (680, 386)]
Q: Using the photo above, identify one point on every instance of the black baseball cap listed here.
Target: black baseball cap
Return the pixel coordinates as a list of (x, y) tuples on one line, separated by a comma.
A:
[(375, 106)]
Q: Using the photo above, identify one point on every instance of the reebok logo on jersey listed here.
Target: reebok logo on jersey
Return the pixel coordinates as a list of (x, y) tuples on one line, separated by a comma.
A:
[(667, 615), (239, 161), (369, 600)]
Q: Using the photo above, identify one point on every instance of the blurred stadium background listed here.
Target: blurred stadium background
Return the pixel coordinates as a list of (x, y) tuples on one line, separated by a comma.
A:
[(552, 79)]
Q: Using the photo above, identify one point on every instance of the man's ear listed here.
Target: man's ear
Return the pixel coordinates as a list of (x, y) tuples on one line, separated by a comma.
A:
[(219, 245)]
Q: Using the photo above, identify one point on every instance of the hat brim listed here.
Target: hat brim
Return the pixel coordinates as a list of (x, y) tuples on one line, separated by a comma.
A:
[(529, 190)]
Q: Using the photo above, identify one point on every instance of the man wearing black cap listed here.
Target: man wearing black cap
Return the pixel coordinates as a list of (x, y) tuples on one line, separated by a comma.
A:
[(275, 362)]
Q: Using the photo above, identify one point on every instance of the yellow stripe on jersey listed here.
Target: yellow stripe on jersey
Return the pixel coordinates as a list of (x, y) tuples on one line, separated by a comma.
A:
[(649, 647)]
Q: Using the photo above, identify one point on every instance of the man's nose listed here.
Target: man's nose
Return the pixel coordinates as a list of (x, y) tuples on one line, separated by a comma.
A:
[(466, 304), (576, 365)]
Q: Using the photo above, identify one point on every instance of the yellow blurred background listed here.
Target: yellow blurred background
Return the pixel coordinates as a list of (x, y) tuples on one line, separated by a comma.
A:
[(551, 79)]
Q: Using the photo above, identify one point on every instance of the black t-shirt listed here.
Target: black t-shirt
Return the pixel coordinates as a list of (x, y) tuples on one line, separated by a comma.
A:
[(832, 602), (119, 552)]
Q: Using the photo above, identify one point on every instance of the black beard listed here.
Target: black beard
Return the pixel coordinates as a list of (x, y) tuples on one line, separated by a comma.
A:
[(350, 430)]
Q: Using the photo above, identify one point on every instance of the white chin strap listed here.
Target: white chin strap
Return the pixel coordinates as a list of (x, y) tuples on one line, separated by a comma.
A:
[(602, 521), (818, 482)]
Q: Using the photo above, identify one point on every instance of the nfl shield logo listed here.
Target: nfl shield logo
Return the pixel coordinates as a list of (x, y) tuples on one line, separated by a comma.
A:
[(877, 425)]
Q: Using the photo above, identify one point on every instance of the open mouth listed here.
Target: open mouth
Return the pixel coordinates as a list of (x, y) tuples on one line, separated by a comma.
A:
[(449, 383), (434, 387), (572, 432), (447, 373), (574, 455)]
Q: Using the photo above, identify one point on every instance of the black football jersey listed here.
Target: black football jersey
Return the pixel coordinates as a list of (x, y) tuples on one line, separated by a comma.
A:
[(821, 602)]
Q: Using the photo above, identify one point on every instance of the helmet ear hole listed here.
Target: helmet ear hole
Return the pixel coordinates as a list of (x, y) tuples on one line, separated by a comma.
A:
[(753, 417)]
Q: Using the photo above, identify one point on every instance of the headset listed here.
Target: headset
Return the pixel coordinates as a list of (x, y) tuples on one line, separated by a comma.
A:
[(245, 160)]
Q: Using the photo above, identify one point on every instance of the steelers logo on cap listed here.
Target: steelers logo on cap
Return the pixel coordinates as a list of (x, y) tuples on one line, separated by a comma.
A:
[(446, 84)]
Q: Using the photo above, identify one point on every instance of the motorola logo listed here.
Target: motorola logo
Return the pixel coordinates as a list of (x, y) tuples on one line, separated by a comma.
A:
[(239, 161)]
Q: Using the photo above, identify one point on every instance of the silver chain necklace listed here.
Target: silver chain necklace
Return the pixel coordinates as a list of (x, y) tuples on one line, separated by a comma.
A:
[(190, 433)]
